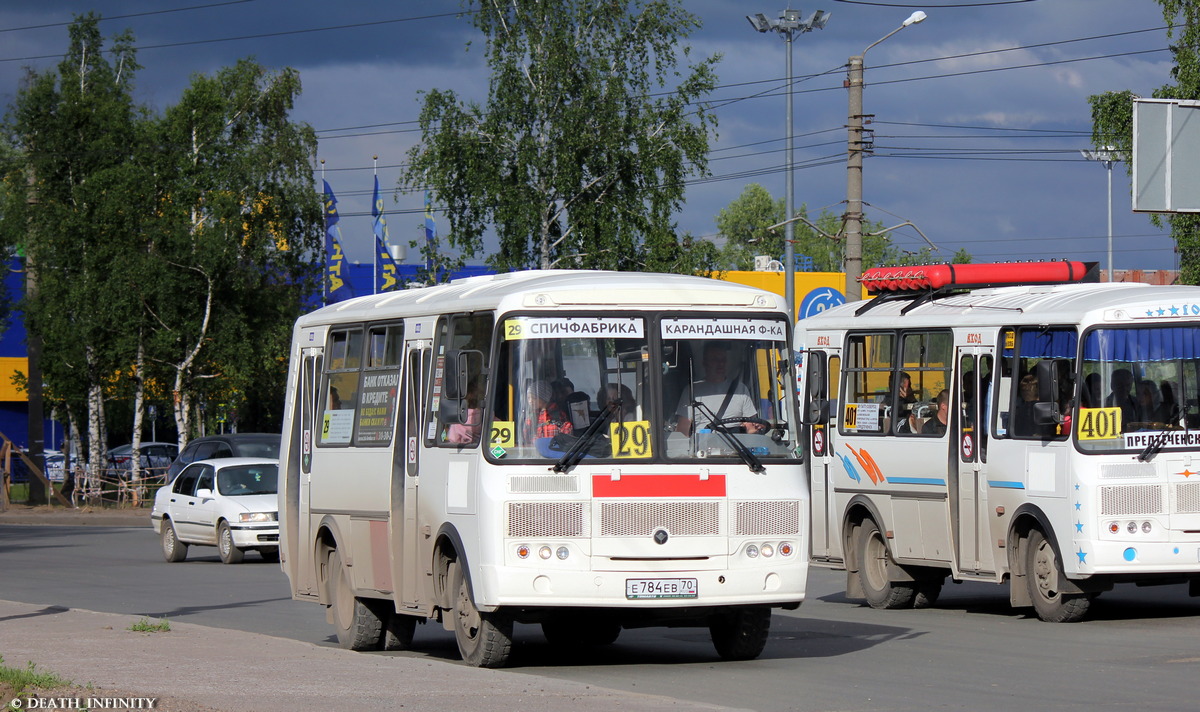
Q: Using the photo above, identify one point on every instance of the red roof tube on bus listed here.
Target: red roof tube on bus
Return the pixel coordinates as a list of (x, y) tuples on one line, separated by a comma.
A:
[(974, 276)]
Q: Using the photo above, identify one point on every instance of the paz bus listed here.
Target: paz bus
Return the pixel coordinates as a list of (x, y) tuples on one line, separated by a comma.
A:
[(536, 448), (1010, 423)]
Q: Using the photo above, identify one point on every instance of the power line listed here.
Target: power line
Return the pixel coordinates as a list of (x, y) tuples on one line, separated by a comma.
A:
[(125, 17)]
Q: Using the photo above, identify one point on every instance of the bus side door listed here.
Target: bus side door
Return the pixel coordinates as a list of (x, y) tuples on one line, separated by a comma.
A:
[(826, 544), (408, 567), (969, 495)]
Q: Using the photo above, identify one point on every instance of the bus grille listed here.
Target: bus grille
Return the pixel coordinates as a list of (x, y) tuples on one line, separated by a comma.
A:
[(767, 518), (543, 484), (1187, 498), (1131, 499), (546, 519), (643, 518)]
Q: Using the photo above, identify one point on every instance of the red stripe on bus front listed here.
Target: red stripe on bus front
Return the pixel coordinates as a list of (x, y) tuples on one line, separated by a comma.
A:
[(658, 486)]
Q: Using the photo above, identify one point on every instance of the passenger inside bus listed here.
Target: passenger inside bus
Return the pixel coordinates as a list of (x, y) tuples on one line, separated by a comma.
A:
[(937, 424), (543, 417), (1090, 396), (725, 397), (619, 399), (1120, 397), (1150, 405), (905, 399), (1023, 422)]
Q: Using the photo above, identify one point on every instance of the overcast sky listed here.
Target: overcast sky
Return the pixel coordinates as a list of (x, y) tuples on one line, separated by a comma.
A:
[(980, 111)]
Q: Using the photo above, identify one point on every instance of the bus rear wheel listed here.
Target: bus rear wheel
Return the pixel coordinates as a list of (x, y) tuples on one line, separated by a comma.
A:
[(874, 561), (357, 625), (484, 639), (1043, 574), (740, 632)]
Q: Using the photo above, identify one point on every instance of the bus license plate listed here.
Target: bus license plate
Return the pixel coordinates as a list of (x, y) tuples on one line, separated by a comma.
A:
[(660, 588)]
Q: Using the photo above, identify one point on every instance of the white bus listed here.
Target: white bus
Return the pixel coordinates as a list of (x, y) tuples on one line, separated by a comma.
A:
[(1059, 456), (544, 447)]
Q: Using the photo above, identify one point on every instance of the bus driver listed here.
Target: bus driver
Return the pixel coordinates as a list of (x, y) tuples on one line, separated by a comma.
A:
[(725, 398)]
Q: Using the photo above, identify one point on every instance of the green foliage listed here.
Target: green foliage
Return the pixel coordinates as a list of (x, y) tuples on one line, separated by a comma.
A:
[(578, 158), (1112, 119), (28, 678), (145, 625), (189, 237), (743, 225)]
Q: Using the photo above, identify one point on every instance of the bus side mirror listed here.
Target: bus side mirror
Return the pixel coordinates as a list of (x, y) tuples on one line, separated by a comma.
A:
[(1046, 371), (816, 406)]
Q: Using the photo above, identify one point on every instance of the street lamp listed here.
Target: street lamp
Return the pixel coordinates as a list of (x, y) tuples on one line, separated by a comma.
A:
[(788, 25), (1107, 156), (854, 216)]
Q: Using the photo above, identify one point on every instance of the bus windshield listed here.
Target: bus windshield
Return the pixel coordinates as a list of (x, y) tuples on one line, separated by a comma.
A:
[(1137, 385), (602, 387)]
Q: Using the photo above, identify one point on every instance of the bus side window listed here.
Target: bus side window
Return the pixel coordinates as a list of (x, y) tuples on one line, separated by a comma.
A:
[(339, 405), (464, 349)]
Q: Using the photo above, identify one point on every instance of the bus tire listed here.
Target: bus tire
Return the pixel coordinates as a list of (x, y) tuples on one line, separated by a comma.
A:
[(173, 550), (484, 639), (230, 554), (399, 631), (568, 631), (358, 626), (1043, 570), (927, 592), (874, 561), (740, 632)]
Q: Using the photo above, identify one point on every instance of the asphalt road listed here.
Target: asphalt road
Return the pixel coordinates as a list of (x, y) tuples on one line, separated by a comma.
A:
[(1139, 650)]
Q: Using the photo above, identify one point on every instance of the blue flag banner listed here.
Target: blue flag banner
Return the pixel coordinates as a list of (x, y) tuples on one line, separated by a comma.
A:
[(337, 287), (385, 266), (430, 231)]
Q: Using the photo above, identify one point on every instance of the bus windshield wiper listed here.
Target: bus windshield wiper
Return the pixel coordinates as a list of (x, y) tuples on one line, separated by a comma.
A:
[(572, 456), (1156, 443), (738, 446)]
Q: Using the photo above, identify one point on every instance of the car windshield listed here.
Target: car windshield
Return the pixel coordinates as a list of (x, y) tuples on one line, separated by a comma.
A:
[(247, 479), (266, 448)]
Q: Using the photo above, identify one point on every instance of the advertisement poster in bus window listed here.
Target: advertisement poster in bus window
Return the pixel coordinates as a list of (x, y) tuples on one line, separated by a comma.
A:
[(377, 406)]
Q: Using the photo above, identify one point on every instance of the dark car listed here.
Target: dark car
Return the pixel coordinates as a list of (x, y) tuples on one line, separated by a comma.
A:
[(211, 447), (156, 458)]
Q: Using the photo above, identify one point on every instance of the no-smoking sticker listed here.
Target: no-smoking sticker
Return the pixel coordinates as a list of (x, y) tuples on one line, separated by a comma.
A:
[(968, 446), (819, 442)]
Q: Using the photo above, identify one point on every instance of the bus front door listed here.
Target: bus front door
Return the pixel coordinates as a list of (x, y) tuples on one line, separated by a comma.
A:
[(826, 544), (968, 499), (299, 556)]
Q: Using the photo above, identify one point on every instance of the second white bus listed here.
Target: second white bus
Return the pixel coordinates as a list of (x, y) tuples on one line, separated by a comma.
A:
[(1039, 434)]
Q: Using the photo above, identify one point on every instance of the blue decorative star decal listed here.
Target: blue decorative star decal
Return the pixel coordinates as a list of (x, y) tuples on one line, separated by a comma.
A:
[(1174, 311), (1078, 506), (1082, 555), (1076, 485), (1079, 527), (1161, 311), (1149, 312)]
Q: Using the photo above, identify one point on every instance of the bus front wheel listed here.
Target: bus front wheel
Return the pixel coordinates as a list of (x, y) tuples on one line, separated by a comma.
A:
[(740, 632), (484, 639), (874, 560), (1043, 572), (358, 627)]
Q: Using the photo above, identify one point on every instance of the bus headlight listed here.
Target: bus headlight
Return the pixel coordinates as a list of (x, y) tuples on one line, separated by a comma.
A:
[(562, 553), (752, 551), (1131, 527), (768, 550), (545, 552), (1146, 527)]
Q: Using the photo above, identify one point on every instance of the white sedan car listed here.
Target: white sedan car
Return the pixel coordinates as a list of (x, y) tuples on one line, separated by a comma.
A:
[(228, 503)]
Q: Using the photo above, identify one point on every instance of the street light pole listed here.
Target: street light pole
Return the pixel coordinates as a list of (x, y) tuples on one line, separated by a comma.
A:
[(1107, 156), (852, 262), (788, 25)]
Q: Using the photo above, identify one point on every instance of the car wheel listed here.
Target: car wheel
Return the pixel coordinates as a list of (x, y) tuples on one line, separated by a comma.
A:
[(740, 632), (173, 549), (230, 554), (484, 639), (358, 626), (271, 554)]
